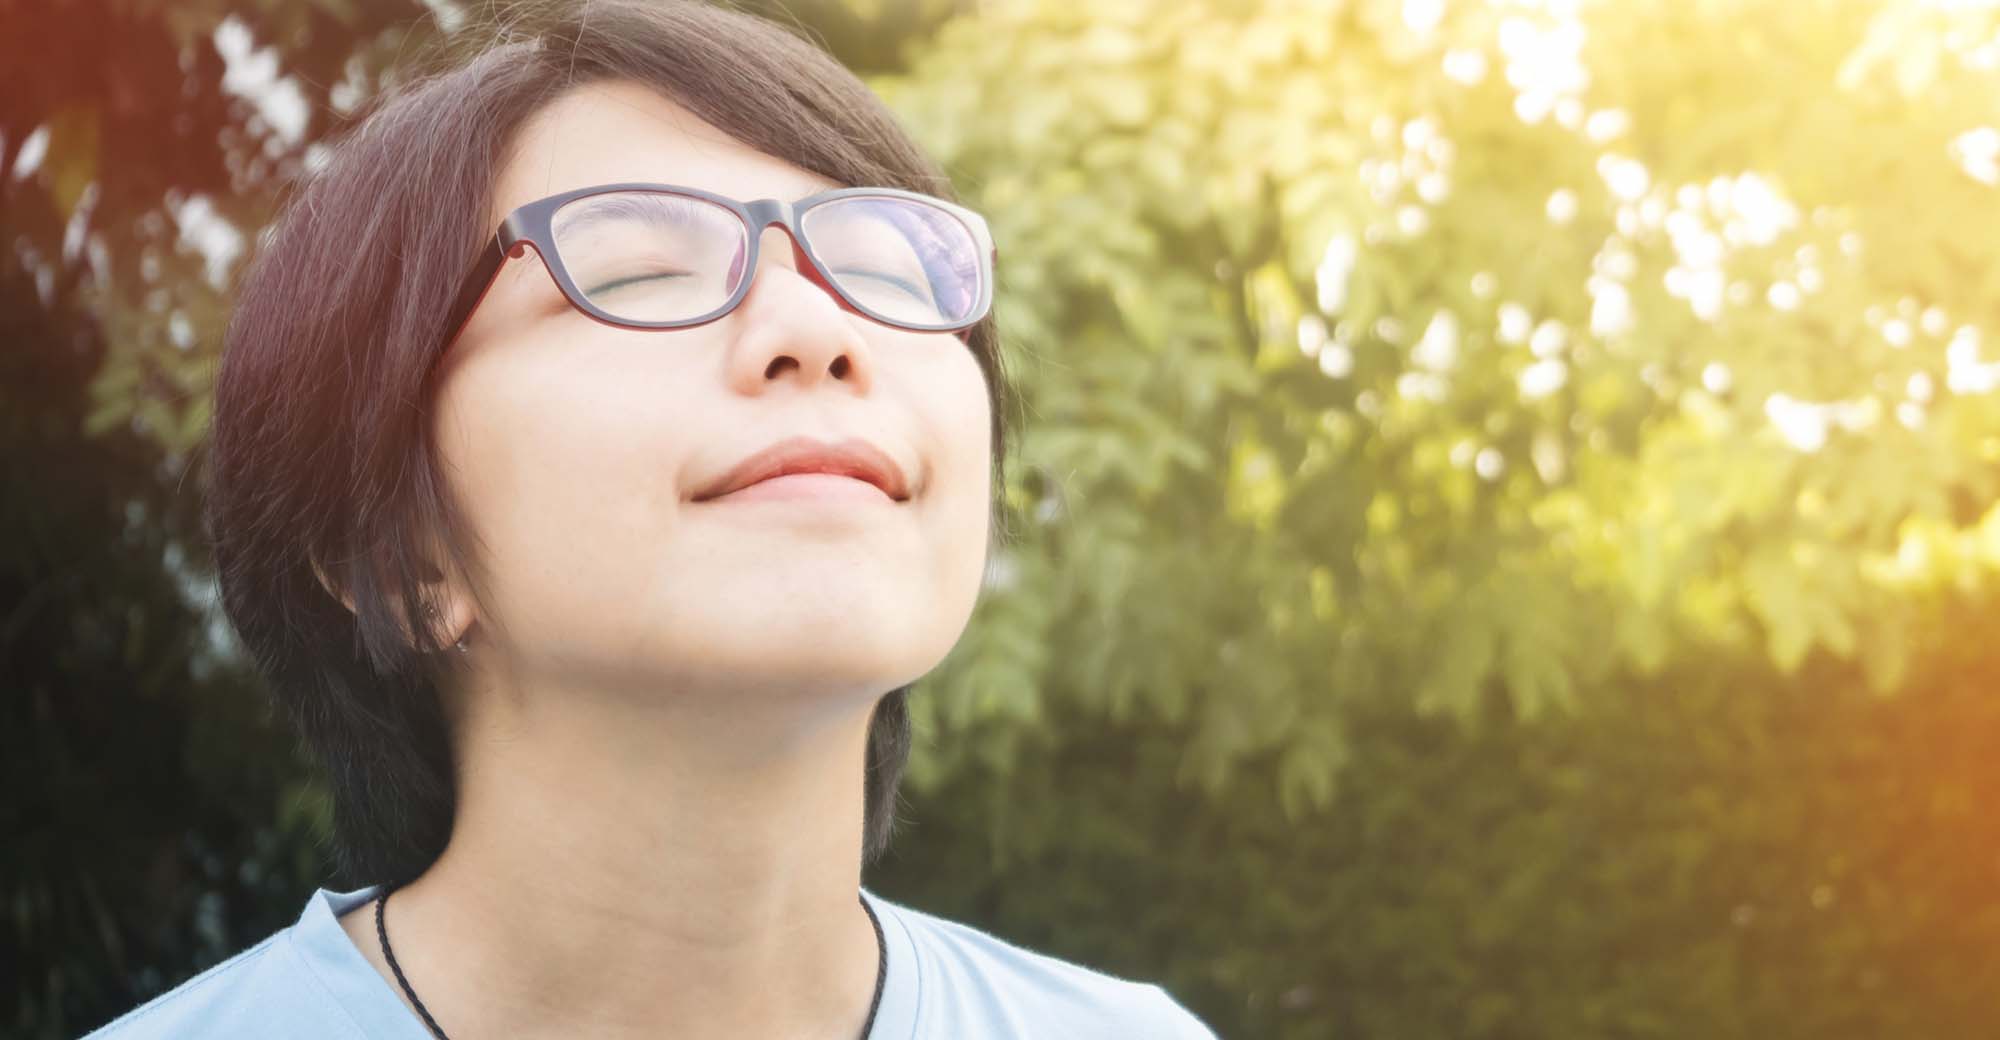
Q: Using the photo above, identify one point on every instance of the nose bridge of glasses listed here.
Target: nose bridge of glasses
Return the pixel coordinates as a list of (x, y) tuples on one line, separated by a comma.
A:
[(766, 213)]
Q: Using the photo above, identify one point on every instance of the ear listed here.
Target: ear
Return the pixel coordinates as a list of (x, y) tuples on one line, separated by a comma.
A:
[(444, 590), (332, 587)]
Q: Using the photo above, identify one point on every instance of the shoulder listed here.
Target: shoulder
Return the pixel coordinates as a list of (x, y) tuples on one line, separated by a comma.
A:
[(979, 981), (260, 992)]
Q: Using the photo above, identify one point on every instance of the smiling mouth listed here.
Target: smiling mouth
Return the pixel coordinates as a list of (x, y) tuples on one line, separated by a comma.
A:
[(808, 487)]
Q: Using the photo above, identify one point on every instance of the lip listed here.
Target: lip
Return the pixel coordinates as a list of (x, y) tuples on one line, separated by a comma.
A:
[(849, 457)]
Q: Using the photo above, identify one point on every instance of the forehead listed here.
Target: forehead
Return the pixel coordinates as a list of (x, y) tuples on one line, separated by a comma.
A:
[(614, 132)]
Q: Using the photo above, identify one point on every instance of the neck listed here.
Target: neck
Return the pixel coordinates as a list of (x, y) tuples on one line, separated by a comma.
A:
[(620, 868)]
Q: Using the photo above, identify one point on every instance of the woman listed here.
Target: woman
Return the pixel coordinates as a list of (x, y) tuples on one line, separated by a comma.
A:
[(581, 499)]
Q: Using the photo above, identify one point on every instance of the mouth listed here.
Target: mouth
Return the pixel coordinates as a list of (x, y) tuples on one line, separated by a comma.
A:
[(802, 467), (829, 488)]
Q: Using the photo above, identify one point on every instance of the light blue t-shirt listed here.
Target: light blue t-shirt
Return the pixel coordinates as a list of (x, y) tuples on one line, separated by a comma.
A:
[(944, 980)]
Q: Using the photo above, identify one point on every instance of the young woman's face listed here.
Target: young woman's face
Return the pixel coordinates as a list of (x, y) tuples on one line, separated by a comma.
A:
[(578, 448)]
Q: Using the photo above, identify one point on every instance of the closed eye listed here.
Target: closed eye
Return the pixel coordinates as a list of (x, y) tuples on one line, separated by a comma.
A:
[(920, 292), (619, 283)]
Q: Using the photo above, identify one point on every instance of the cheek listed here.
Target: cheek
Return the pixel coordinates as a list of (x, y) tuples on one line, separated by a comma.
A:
[(956, 415), (566, 476)]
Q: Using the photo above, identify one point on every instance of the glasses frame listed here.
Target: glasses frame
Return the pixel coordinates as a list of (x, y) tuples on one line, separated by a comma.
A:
[(530, 226)]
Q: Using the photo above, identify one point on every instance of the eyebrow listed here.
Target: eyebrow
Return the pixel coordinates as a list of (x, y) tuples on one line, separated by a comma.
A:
[(657, 208)]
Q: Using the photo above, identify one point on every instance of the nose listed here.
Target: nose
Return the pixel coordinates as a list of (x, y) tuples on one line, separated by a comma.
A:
[(792, 321)]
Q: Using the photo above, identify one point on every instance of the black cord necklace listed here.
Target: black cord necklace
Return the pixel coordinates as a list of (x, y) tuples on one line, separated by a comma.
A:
[(881, 966)]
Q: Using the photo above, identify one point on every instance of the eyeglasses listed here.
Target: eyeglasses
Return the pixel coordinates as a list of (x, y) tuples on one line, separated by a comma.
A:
[(662, 256)]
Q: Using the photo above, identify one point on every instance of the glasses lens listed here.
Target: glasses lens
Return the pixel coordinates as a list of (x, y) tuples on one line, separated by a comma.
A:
[(651, 256), (904, 260)]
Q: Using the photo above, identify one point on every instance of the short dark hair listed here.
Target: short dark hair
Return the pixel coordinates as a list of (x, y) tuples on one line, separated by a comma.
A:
[(319, 456)]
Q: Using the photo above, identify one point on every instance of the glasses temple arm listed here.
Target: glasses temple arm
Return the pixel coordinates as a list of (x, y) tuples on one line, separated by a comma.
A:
[(478, 281)]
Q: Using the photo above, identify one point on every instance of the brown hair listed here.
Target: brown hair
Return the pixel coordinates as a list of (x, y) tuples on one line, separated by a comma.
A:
[(319, 454)]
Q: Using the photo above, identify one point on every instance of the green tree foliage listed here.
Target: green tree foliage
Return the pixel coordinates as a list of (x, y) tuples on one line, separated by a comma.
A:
[(1621, 372), (1411, 346), (1710, 852), (156, 819)]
